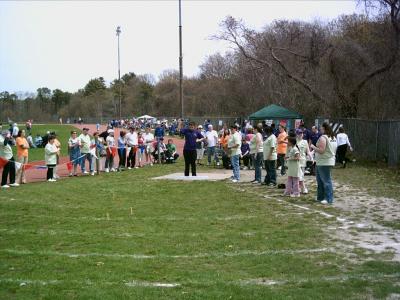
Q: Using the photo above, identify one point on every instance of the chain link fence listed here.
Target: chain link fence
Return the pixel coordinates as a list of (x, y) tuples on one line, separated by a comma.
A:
[(374, 140)]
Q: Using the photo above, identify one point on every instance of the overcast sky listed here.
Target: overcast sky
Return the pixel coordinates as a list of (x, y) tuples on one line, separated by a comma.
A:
[(63, 44)]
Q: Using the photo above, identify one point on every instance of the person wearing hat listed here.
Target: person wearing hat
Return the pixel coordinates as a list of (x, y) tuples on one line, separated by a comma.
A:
[(200, 146), (84, 139), (234, 144), (6, 155)]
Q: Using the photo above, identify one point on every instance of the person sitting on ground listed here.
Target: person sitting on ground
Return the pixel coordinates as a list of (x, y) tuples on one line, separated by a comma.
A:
[(38, 141), (162, 148), (29, 139), (171, 154)]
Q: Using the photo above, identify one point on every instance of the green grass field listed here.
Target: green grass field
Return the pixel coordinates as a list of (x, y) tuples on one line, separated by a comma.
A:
[(124, 236), (63, 133)]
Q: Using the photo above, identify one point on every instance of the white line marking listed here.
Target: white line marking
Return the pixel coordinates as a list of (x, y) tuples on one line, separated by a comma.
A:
[(143, 256)]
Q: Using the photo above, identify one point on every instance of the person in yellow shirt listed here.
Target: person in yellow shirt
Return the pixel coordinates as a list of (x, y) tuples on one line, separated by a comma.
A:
[(22, 155), (281, 149)]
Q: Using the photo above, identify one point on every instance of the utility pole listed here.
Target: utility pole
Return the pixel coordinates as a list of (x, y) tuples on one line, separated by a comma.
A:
[(180, 61), (119, 75)]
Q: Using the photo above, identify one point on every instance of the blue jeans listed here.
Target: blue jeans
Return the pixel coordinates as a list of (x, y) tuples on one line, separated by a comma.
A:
[(211, 152), (271, 172), (235, 166), (324, 181), (258, 165), (87, 156)]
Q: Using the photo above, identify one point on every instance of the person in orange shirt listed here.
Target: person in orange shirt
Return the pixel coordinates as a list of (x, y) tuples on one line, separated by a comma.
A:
[(224, 144), (22, 155), (281, 149)]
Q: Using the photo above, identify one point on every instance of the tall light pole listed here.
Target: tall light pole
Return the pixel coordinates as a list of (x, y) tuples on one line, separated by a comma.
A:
[(180, 60), (119, 73)]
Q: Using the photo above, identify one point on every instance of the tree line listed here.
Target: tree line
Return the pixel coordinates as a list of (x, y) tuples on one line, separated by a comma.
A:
[(348, 67)]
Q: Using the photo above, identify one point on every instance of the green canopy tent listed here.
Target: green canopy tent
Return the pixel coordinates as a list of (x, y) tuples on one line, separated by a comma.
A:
[(274, 111)]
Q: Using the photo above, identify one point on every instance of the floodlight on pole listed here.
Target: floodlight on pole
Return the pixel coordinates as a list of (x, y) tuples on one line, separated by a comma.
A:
[(119, 74), (180, 60)]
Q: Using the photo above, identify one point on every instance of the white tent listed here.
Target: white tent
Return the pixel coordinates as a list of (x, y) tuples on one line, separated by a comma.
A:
[(146, 117)]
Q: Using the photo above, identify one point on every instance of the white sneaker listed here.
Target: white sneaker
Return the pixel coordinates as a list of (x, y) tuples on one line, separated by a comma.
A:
[(324, 202), (6, 186), (235, 180), (136, 167), (92, 173), (51, 180), (279, 168), (85, 172), (113, 170), (106, 170), (151, 164), (294, 196), (305, 191), (218, 163), (14, 184), (129, 168)]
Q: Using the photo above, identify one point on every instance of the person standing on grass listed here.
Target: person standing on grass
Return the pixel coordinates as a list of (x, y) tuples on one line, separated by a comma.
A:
[(50, 155), (302, 144), (270, 156), (85, 151), (234, 144), (258, 156), (212, 144), (281, 149), (245, 154), (111, 151), (121, 150), (7, 158), (132, 143), (200, 146), (22, 155), (342, 144), (148, 140), (141, 149), (74, 151), (294, 171), (192, 136), (325, 151)]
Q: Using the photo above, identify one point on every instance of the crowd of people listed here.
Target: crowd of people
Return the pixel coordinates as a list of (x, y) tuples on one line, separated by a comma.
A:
[(295, 153)]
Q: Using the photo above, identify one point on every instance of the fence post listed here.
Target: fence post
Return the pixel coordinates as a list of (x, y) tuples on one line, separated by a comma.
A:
[(376, 140)]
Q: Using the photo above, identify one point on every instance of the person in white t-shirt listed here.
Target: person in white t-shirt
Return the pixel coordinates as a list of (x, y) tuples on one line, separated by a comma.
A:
[(148, 138), (212, 143), (234, 143), (342, 144), (84, 139), (132, 143)]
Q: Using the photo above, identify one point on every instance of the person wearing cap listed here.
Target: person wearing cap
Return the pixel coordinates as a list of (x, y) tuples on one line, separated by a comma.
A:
[(302, 144), (234, 144), (6, 154), (192, 136), (74, 151), (84, 139), (200, 146), (111, 151)]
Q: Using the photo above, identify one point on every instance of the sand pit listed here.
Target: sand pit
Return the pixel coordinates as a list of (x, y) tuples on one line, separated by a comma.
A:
[(200, 176)]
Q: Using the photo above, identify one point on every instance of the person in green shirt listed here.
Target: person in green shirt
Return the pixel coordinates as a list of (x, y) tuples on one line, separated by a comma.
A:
[(171, 154)]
